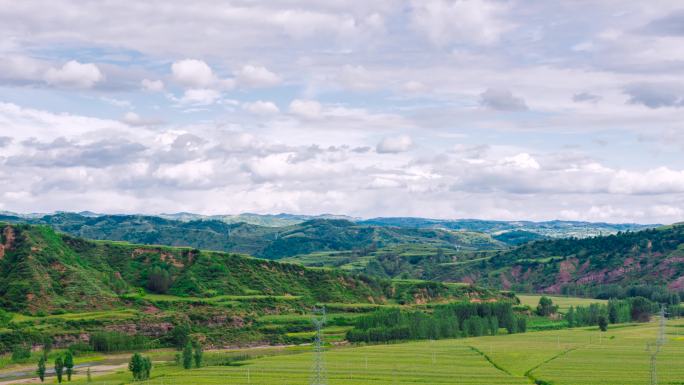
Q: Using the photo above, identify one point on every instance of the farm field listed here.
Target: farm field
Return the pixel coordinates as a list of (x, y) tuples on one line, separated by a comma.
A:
[(570, 356), (563, 303)]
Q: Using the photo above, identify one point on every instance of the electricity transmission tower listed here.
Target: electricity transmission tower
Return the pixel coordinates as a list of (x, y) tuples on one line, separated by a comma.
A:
[(318, 373), (655, 349)]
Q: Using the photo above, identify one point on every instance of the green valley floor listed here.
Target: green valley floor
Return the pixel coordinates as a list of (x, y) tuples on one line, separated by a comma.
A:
[(564, 357)]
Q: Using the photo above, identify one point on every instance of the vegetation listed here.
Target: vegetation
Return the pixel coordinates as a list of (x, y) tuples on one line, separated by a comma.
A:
[(41, 368), (187, 356), (59, 368), (140, 367), (613, 266), (69, 363), (445, 321), (546, 307), (578, 356)]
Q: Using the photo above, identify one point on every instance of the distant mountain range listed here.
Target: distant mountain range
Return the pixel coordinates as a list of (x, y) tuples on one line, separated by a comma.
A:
[(307, 237), (550, 229)]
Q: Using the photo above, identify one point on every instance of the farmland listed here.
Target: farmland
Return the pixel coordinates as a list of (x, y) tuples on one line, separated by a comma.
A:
[(570, 356)]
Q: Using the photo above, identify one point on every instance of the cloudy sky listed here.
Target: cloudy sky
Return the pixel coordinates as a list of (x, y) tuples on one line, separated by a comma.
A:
[(498, 109)]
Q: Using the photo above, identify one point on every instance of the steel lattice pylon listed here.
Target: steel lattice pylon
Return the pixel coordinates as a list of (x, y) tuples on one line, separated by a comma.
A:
[(318, 372), (654, 349)]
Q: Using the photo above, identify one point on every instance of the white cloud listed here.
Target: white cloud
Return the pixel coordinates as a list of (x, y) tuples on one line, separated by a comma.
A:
[(394, 144), (460, 21), (152, 85), (308, 109), (74, 74), (522, 160), (261, 107), (193, 73), (257, 76), (200, 96)]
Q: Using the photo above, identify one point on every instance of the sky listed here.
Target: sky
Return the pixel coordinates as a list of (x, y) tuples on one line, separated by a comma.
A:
[(492, 109)]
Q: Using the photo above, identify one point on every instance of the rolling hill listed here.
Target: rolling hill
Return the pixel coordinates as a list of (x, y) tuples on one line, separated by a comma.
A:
[(652, 256), (315, 235), (44, 271)]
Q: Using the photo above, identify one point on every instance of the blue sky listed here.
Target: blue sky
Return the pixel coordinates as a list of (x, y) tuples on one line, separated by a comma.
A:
[(500, 109)]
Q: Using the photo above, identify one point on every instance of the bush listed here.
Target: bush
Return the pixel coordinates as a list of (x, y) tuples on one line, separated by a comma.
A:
[(21, 353)]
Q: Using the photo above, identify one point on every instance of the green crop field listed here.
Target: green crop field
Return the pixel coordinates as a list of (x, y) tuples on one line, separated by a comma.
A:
[(562, 357), (563, 302)]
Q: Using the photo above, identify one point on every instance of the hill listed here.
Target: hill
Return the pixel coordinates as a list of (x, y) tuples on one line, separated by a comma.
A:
[(547, 229), (262, 241), (44, 271), (647, 257)]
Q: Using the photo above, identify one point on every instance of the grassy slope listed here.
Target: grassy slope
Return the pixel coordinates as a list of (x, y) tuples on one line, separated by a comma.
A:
[(44, 270), (654, 256)]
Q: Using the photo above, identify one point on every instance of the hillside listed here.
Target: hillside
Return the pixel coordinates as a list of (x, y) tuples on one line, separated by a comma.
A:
[(550, 229), (261, 241), (653, 256), (41, 270)]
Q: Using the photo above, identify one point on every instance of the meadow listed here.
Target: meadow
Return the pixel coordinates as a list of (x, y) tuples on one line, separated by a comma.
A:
[(562, 302), (576, 356)]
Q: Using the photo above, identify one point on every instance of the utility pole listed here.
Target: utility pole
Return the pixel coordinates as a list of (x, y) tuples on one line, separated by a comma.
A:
[(655, 349), (318, 373)]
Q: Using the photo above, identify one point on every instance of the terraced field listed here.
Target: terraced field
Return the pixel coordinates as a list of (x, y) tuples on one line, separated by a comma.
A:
[(580, 356)]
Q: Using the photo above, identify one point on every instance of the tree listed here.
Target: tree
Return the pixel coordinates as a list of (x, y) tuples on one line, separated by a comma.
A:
[(5, 318), (603, 323), (59, 368), (198, 354), (570, 317), (546, 307), (41, 368), (159, 280), (20, 353), (147, 368), (187, 356), (136, 366), (69, 364), (613, 316), (179, 336), (641, 309)]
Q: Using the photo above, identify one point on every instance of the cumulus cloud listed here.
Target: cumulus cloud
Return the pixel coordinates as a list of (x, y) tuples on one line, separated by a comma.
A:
[(309, 109), (74, 74), (502, 100), (193, 73), (261, 107), (256, 76), (199, 97), (445, 22), (152, 85), (394, 144)]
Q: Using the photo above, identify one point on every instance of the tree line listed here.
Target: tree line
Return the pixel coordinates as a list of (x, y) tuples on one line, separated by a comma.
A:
[(445, 321), (637, 309)]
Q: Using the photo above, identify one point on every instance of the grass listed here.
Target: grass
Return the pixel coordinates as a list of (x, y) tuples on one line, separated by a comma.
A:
[(579, 356), (563, 303), (120, 314)]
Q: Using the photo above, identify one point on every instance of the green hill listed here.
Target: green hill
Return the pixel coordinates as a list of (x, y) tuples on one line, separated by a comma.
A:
[(315, 235), (648, 257), (45, 271)]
